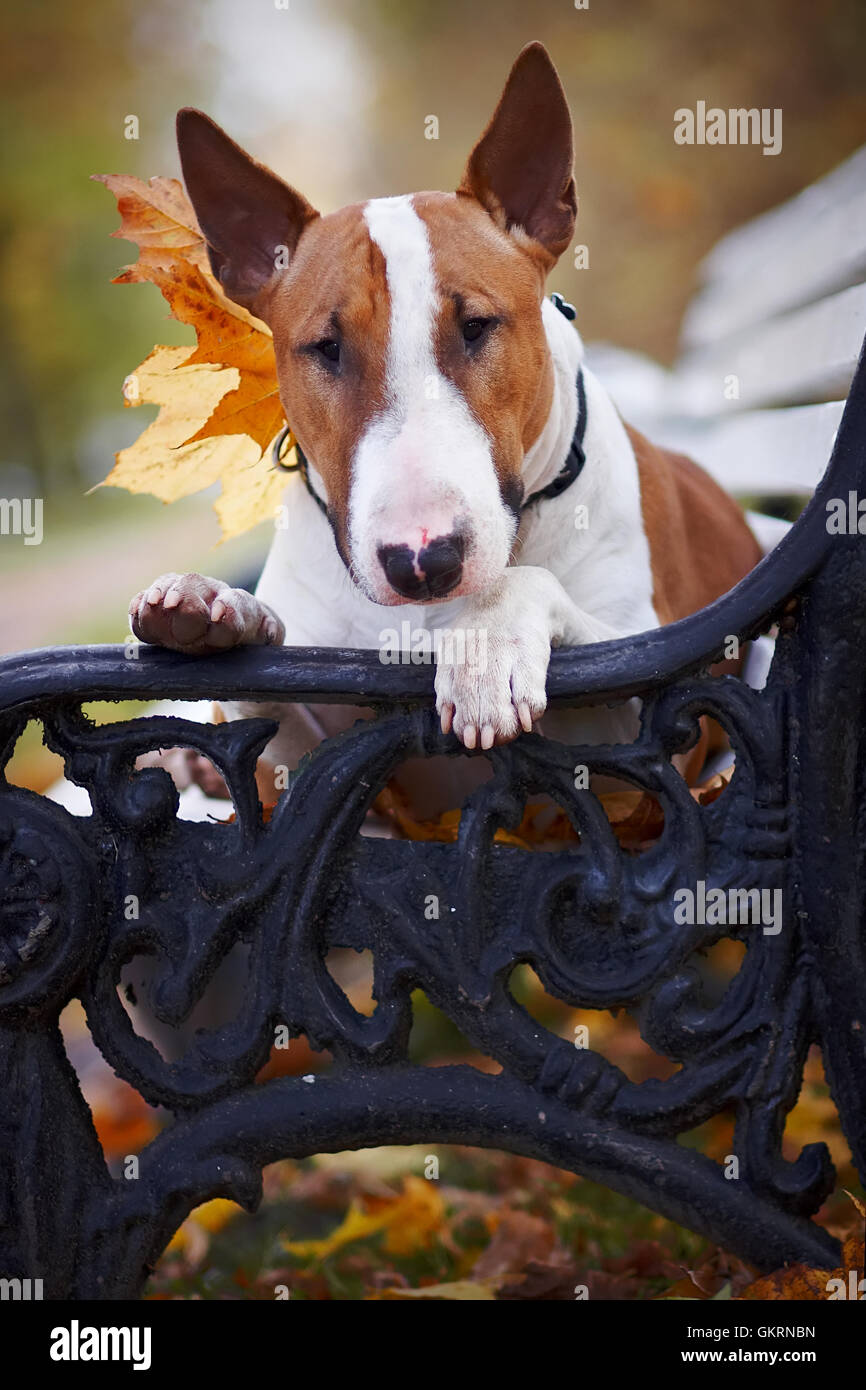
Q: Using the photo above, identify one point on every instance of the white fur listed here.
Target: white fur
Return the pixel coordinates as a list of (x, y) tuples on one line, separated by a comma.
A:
[(424, 466), (544, 457), (569, 585)]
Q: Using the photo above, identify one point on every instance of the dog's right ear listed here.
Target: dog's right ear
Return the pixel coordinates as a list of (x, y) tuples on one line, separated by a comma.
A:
[(251, 220)]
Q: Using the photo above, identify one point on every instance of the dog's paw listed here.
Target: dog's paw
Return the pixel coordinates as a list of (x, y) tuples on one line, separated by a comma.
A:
[(193, 614), (493, 700)]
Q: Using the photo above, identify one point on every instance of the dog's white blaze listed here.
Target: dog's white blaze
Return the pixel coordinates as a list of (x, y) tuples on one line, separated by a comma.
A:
[(424, 465), (401, 236)]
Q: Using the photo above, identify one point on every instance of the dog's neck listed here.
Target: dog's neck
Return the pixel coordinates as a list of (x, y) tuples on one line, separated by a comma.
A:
[(545, 458)]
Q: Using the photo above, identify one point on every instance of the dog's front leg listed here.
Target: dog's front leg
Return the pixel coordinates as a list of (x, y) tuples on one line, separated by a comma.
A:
[(509, 631), (197, 615)]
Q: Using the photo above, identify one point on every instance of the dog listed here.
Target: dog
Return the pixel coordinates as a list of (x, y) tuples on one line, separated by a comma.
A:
[(450, 436)]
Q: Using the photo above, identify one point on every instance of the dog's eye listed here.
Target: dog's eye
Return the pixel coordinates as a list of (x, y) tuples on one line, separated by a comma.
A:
[(329, 348), (474, 328)]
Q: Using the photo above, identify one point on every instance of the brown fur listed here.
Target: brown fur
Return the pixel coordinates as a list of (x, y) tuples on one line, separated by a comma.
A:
[(504, 173), (700, 544), (336, 280), (493, 243), (481, 272), (700, 547)]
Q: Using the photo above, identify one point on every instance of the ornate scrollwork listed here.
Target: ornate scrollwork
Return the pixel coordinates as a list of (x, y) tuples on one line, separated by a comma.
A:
[(45, 925), (599, 925), (596, 923)]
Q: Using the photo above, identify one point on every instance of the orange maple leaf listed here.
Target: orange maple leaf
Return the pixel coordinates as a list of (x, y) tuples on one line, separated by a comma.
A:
[(158, 217), (227, 337), (801, 1282)]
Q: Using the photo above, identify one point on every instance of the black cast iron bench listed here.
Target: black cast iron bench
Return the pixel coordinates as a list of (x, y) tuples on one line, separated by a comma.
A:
[(595, 923)]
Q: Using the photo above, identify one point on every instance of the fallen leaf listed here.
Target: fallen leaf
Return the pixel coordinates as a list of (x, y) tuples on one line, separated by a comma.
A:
[(410, 1221), (636, 818), (800, 1282), (519, 1238), (413, 1218), (192, 1238), (792, 1282), (461, 1291), (720, 1270), (214, 1215), (123, 1120), (856, 1200), (357, 1224), (543, 1282)]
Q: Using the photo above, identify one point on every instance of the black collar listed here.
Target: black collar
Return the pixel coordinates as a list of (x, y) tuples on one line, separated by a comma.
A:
[(573, 466), (571, 469), (299, 466)]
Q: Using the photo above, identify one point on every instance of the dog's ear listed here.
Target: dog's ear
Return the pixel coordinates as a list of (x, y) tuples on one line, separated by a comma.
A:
[(521, 170), (251, 220)]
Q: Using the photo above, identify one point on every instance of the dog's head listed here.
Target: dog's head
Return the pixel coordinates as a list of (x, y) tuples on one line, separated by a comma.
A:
[(411, 357)]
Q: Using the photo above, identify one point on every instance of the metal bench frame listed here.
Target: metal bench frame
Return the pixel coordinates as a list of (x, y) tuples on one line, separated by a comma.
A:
[(595, 923)]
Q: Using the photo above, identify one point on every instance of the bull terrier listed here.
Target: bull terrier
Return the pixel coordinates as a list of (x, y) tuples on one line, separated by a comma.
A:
[(449, 434)]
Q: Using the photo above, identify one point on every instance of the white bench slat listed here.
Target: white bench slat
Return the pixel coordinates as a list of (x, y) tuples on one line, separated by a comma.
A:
[(763, 238), (637, 385), (794, 255), (777, 452), (808, 355), (764, 452), (768, 530), (817, 253)]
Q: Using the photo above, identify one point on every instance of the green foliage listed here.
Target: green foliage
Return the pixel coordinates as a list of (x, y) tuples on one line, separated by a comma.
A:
[(69, 76)]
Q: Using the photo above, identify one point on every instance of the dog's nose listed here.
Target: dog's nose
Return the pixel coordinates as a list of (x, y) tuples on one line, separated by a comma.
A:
[(431, 572)]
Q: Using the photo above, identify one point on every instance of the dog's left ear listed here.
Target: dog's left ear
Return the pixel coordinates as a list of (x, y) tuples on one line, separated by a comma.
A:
[(249, 217), (521, 168)]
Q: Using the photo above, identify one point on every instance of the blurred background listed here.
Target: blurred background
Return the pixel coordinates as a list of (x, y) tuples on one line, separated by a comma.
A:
[(334, 95)]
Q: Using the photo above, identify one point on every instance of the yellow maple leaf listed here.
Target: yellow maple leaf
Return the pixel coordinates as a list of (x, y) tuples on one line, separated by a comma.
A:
[(461, 1291), (159, 218), (227, 337), (357, 1224), (415, 1217), (410, 1221), (161, 462), (211, 1217), (220, 400)]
